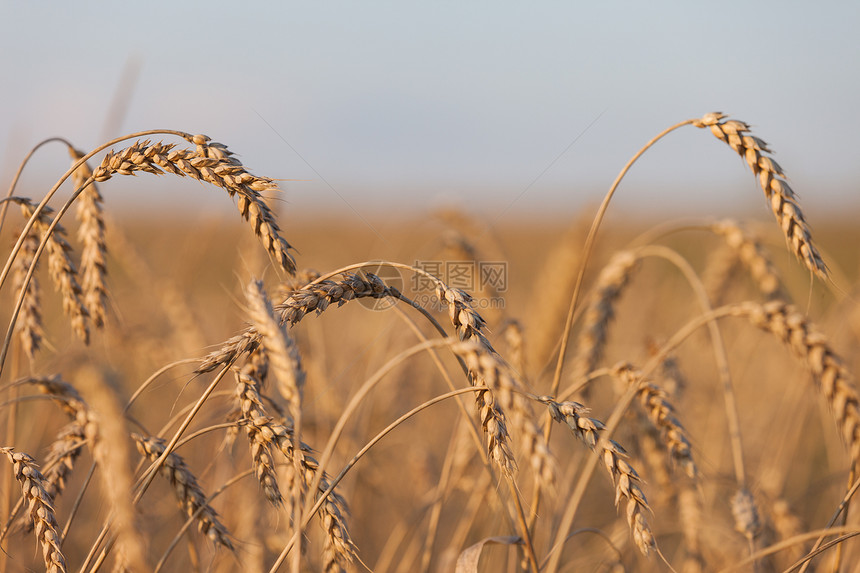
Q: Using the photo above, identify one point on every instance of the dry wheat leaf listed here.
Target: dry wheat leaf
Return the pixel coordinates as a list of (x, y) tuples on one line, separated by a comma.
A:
[(467, 562)]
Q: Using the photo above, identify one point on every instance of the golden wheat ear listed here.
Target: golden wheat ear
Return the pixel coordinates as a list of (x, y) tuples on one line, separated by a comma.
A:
[(771, 178), (189, 494), (40, 507)]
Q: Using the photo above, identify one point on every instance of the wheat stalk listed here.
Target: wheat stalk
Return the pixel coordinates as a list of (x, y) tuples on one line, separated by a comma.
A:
[(40, 506), (783, 201)]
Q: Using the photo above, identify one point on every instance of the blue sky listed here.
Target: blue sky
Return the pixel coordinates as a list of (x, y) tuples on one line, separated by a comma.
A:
[(498, 107)]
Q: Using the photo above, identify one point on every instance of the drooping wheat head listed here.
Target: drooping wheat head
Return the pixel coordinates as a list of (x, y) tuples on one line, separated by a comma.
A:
[(509, 393), (313, 298), (623, 476), (827, 368), (783, 201), (213, 163)]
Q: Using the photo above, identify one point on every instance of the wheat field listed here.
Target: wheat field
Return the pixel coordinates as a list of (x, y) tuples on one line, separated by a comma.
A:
[(442, 393)]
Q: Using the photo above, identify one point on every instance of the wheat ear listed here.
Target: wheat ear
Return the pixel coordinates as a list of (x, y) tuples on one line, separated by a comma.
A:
[(63, 272), (783, 201), (283, 354), (29, 322), (745, 513), (188, 492), (266, 434), (259, 435), (661, 413), (41, 509), (91, 232), (828, 371), (601, 310), (753, 257), (623, 476), (316, 297), (490, 369), (213, 163)]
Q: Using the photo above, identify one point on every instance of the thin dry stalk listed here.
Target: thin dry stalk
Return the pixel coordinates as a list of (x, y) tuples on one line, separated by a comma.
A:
[(783, 201), (40, 507), (29, 324), (91, 233), (63, 272), (624, 477), (188, 492), (661, 413), (213, 163), (828, 370)]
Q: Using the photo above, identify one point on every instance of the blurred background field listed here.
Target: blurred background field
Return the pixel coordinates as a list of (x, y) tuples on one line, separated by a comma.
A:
[(176, 288)]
